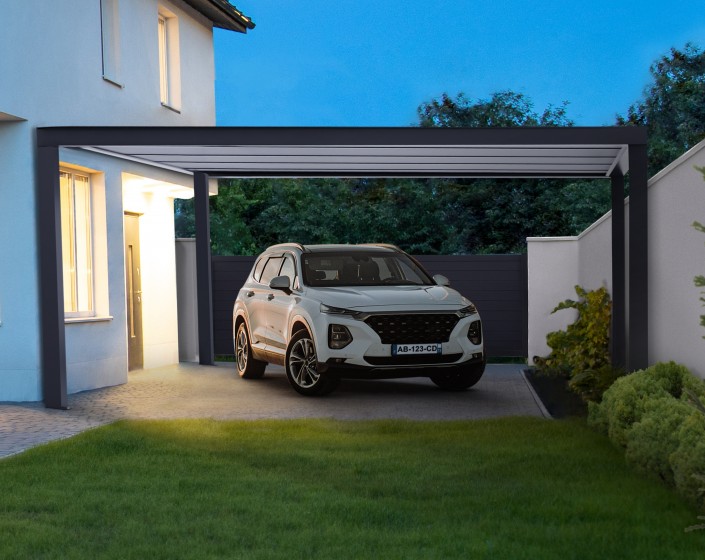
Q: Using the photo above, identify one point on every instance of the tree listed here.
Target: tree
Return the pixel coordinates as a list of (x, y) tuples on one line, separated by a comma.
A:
[(673, 106), (496, 216)]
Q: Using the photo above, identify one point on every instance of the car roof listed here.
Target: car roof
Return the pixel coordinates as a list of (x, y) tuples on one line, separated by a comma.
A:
[(333, 248)]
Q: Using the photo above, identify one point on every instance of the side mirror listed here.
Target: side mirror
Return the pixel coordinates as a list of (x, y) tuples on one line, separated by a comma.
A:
[(281, 283), (441, 280)]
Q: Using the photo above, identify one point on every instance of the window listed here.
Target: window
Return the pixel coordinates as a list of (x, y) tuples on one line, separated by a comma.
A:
[(75, 192), (289, 269), (169, 60), (271, 270), (110, 35)]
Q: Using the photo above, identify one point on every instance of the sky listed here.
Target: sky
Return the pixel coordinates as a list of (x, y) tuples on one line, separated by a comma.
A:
[(373, 62)]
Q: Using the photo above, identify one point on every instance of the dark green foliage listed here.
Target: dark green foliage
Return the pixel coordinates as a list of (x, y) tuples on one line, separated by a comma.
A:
[(648, 413), (673, 105), (581, 352)]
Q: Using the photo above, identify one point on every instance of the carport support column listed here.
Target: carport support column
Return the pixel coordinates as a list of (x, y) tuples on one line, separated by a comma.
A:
[(206, 355), (638, 346), (619, 296), (51, 283)]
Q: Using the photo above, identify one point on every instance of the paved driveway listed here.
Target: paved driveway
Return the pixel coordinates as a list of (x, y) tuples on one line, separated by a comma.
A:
[(193, 391)]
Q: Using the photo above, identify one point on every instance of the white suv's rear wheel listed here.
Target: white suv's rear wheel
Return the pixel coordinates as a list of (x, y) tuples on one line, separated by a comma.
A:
[(301, 367), (247, 366)]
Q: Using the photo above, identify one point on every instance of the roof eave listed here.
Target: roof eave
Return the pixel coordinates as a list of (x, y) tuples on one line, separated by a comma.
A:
[(223, 14)]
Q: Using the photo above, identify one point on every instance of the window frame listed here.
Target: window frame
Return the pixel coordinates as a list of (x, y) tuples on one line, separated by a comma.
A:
[(77, 252), (169, 59)]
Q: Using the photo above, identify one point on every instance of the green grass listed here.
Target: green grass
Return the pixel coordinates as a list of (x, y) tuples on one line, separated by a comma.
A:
[(510, 488)]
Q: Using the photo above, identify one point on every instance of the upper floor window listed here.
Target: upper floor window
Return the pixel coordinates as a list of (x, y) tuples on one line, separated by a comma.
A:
[(110, 35), (75, 193), (169, 60)]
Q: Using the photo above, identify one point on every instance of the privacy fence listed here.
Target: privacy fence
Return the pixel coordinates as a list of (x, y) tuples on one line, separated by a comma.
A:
[(497, 284)]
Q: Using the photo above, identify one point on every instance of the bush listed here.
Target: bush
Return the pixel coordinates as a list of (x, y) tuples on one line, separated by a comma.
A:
[(649, 415), (688, 461), (581, 352)]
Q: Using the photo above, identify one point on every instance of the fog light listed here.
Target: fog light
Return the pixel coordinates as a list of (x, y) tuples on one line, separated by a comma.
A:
[(475, 332), (338, 336)]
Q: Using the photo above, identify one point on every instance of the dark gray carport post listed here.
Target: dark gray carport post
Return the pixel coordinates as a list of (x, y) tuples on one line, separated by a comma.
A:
[(52, 327), (619, 300), (204, 293)]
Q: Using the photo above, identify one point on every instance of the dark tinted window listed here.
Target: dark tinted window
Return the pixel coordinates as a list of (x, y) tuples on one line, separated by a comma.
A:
[(271, 269), (258, 269), (362, 269), (289, 269)]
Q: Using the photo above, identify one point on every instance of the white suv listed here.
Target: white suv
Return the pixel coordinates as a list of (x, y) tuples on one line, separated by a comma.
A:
[(355, 311)]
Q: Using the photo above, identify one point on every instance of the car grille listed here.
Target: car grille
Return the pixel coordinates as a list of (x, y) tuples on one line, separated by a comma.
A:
[(413, 328)]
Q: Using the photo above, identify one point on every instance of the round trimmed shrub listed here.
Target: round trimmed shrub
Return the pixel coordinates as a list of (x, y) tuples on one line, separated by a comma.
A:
[(688, 461), (624, 403), (651, 441)]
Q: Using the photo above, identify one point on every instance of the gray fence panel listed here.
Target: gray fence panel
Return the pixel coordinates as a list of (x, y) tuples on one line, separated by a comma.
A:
[(497, 284)]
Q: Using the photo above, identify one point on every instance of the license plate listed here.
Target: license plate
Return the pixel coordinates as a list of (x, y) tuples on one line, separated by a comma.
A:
[(405, 349)]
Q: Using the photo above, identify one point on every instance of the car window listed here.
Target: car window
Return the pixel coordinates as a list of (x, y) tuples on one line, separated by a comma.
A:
[(362, 269), (258, 269), (289, 269), (271, 269)]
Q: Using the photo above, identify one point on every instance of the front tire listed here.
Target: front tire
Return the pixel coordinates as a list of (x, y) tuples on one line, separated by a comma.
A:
[(459, 380), (302, 367), (247, 366)]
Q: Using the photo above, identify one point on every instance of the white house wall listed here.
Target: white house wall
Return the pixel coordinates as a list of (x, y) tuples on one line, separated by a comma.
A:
[(51, 55), (676, 198), (65, 86), (19, 297)]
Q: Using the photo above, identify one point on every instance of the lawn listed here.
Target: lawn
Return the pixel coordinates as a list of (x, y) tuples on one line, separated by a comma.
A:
[(508, 488)]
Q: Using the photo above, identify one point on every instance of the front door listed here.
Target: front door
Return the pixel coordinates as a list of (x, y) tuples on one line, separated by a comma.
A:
[(133, 288)]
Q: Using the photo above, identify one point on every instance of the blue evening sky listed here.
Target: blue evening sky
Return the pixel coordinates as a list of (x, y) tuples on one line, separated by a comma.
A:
[(371, 63)]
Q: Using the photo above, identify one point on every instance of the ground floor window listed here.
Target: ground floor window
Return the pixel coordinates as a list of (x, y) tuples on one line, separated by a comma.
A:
[(76, 243)]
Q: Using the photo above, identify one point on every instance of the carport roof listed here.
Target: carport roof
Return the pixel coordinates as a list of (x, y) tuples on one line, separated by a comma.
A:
[(385, 152)]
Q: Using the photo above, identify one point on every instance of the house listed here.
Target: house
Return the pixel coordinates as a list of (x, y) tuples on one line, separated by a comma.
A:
[(106, 63)]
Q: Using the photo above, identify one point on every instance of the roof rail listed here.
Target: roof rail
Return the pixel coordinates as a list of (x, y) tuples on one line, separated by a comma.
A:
[(289, 245), (387, 245)]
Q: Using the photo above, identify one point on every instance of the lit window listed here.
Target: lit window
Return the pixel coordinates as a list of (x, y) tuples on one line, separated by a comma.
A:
[(75, 193), (169, 61)]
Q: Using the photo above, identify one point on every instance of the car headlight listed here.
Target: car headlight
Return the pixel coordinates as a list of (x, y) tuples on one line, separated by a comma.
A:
[(338, 310), (467, 311)]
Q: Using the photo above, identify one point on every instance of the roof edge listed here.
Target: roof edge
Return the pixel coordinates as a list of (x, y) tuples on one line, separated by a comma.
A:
[(223, 14)]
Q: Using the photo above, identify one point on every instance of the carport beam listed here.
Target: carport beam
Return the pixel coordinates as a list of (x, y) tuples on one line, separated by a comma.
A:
[(206, 355)]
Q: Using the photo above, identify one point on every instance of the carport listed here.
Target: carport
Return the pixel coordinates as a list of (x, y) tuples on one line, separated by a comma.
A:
[(220, 152)]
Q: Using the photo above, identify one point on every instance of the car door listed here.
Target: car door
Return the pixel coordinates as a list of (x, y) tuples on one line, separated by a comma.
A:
[(279, 308), (257, 298)]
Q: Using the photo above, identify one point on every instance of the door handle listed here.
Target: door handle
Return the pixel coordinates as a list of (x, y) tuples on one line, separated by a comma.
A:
[(270, 297), (250, 293)]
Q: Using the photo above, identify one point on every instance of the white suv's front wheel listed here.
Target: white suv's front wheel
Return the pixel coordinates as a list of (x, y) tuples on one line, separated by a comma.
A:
[(247, 366), (301, 367)]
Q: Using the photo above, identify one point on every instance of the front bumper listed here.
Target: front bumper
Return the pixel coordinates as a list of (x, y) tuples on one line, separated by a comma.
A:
[(402, 368)]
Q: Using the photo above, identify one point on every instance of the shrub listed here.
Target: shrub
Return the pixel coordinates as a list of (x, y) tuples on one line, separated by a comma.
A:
[(581, 352), (688, 461), (651, 441), (624, 403), (648, 413)]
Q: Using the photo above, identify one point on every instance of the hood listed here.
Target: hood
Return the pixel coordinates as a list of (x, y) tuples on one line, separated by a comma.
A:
[(372, 298)]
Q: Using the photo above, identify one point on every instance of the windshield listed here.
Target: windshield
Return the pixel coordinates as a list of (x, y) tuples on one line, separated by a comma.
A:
[(362, 269)]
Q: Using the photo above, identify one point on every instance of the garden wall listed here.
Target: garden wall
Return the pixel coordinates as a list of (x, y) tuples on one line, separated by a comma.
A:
[(676, 198)]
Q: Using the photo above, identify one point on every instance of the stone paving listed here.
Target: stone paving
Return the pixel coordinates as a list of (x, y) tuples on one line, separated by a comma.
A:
[(193, 391)]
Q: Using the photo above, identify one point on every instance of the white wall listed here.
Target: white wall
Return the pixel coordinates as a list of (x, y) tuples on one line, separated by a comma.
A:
[(676, 198)]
